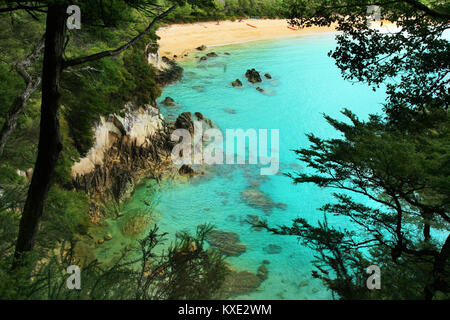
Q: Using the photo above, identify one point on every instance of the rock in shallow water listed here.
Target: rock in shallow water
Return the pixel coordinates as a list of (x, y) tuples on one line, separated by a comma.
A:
[(239, 283), (258, 199), (272, 249), (236, 83), (263, 272), (168, 102), (186, 170), (226, 242), (230, 111), (253, 76)]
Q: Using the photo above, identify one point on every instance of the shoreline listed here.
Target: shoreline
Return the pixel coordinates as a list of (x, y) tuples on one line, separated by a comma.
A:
[(177, 41)]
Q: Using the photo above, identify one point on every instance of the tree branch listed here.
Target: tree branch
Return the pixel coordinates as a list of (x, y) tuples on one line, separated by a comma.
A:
[(432, 13), (21, 101), (100, 55)]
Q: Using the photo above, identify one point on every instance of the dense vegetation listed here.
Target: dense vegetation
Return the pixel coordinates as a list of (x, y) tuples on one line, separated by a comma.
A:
[(391, 172), (88, 90), (229, 9)]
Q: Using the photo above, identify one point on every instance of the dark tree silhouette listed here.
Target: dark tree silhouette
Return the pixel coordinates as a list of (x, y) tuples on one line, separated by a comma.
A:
[(50, 144)]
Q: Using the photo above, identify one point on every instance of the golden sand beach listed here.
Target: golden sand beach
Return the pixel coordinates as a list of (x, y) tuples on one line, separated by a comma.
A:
[(180, 39)]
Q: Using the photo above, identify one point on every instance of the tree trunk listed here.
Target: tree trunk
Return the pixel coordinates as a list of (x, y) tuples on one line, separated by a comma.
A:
[(427, 232), (50, 143)]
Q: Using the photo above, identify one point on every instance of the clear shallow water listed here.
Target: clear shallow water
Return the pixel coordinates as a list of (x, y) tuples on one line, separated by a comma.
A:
[(305, 84)]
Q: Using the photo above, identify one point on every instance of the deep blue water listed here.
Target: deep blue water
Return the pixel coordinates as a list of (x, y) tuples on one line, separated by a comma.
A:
[(305, 85)]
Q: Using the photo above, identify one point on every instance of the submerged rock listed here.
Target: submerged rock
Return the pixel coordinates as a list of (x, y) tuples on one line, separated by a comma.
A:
[(304, 283), (134, 225), (252, 219), (198, 88), (230, 111), (226, 242), (260, 89), (253, 76), (272, 249), (281, 206), (263, 272), (258, 199), (201, 48), (268, 76), (239, 283), (212, 54), (236, 83)]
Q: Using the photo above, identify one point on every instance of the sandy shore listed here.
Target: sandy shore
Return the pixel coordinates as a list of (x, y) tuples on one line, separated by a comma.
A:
[(180, 39)]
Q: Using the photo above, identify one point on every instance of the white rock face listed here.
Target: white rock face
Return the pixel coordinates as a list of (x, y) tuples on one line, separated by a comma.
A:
[(139, 125), (155, 60)]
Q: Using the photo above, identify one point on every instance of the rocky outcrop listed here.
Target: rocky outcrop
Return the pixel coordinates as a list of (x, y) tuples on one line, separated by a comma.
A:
[(172, 72), (186, 170), (236, 83), (168, 102), (253, 76), (184, 121), (126, 149), (167, 70)]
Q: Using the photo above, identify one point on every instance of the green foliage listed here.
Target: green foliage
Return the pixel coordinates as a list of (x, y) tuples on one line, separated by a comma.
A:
[(142, 87), (228, 9), (393, 172), (395, 188), (87, 92), (65, 217), (20, 33), (413, 63), (186, 271)]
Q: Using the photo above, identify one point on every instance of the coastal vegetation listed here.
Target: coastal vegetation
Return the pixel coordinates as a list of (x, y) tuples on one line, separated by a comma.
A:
[(390, 173), (229, 9), (43, 217), (59, 86)]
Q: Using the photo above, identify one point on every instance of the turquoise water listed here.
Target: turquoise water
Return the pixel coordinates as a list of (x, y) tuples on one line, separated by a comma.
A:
[(305, 85)]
